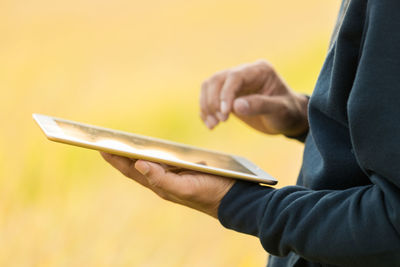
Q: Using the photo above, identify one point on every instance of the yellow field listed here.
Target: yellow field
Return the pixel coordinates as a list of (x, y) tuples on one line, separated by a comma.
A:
[(135, 66)]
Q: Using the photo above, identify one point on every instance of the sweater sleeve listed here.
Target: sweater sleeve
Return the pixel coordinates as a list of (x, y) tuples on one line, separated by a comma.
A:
[(359, 226)]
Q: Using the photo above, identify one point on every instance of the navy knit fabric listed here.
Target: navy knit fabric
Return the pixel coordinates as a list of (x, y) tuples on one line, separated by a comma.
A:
[(345, 208)]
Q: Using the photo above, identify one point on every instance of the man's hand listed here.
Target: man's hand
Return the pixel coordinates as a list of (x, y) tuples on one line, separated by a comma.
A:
[(199, 191), (256, 95)]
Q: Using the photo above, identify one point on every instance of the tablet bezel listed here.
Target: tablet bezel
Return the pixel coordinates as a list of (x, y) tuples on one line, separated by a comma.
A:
[(54, 133)]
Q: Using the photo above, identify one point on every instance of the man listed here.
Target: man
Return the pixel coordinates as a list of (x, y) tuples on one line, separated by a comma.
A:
[(345, 209)]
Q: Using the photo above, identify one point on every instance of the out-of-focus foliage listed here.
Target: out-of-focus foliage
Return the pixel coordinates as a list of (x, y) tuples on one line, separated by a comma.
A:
[(135, 66)]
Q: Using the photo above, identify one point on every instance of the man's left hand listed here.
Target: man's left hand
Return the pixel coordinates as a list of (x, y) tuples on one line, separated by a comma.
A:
[(196, 190)]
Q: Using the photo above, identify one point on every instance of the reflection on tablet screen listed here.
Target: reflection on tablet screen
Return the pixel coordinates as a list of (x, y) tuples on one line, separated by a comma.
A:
[(154, 148)]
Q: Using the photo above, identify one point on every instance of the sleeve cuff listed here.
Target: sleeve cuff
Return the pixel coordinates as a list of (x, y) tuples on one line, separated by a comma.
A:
[(240, 207), (300, 138)]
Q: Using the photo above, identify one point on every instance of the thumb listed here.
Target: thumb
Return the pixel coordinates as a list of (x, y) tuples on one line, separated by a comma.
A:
[(256, 105), (158, 177), (154, 173)]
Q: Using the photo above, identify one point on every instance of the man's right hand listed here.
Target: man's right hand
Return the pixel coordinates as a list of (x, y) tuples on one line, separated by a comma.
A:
[(258, 96)]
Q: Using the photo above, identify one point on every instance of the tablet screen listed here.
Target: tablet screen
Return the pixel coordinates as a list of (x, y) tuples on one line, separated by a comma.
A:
[(150, 146)]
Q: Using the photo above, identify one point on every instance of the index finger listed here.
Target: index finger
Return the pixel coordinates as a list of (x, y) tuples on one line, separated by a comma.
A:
[(228, 92), (126, 166)]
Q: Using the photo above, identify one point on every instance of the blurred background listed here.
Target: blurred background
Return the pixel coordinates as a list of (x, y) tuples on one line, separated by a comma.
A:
[(135, 66)]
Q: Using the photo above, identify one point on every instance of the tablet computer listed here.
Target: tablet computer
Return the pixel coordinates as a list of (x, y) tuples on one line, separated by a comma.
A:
[(151, 149)]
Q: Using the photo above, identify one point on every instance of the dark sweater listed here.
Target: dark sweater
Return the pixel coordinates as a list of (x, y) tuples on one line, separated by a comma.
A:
[(345, 209)]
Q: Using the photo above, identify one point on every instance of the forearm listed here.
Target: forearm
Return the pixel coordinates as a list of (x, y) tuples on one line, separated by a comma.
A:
[(349, 228)]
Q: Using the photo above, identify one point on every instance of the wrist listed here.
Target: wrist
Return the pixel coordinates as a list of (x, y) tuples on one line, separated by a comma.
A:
[(299, 116), (213, 209), (303, 103), (301, 125)]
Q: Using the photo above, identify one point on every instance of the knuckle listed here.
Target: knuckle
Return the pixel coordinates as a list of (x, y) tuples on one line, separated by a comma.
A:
[(268, 68), (218, 76), (212, 79), (264, 66), (235, 74), (263, 62), (187, 193), (154, 182), (236, 80), (209, 84)]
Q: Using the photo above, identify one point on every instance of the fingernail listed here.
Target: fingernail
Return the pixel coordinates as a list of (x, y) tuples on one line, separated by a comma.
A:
[(208, 122), (219, 116), (222, 117), (214, 121), (142, 167), (211, 121), (224, 107), (242, 105)]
